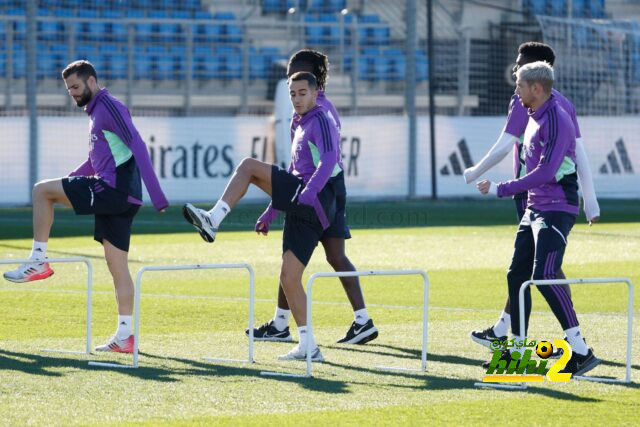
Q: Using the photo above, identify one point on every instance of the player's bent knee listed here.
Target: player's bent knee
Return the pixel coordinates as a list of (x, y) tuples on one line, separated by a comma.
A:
[(246, 165)]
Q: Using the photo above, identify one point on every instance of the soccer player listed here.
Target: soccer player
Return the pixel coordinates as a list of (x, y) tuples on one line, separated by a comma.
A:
[(362, 330), (509, 140), (107, 185), (305, 193), (552, 207)]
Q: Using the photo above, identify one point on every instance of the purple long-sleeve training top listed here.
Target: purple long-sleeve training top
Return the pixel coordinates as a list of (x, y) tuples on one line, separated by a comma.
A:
[(114, 144), (315, 152), (549, 154)]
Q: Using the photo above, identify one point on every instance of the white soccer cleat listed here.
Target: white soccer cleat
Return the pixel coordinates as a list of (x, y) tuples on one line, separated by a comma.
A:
[(29, 272), (200, 219), (298, 354), (116, 345)]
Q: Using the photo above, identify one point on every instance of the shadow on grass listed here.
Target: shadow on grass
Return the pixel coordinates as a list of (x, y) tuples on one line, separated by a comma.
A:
[(41, 365), (442, 383), (408, 353), (226, 370), (35, 364), (622, 365)]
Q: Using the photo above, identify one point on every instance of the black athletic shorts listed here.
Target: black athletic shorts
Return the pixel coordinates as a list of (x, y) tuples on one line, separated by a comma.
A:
[(302, 228), (111, 208), (339, 227)]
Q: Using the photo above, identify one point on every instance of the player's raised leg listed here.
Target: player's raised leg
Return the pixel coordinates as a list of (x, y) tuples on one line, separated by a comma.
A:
[(249, 171), (45, 195)]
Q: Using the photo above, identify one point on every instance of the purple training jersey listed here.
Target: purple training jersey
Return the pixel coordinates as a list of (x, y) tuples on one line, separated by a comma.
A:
[(333, 115), (314, 149), (517, 122), (114, 144), (550, 161)]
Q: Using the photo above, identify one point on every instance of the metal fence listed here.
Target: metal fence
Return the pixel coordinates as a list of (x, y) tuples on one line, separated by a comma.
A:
[(186, 62)]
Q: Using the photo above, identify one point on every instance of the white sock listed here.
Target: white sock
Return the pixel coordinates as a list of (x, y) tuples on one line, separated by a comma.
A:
[(38, 250), (218, 212), (281, 318), (124, 327), (502, 325), (519, 348), (576, 341), (304, 336), (361, 316)]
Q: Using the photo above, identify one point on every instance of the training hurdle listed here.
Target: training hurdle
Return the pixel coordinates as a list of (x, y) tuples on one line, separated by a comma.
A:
[(425, 306), (83, 260), (609, 280), (143, 270)]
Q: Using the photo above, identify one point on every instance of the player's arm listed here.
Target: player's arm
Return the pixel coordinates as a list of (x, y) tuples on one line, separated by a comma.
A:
[(550, 161), (84, 169), (499, 151), (516, 124), (124, 128), (591, 207)]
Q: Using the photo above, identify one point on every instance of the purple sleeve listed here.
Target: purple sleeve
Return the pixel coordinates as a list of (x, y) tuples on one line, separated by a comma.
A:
[(85, 169), (554, 151), (125, 129), (325, 135), (139, 150), (574, 119), (517, 119)]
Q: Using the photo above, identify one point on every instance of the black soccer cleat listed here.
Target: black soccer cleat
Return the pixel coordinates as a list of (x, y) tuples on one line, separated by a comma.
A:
[(268, 332), (581, 364), (486, 337), (360, 334)]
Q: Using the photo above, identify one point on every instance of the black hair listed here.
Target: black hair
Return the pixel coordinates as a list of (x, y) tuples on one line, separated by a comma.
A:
[(536, 51), (305, 75), (82, 67), (318, 61)]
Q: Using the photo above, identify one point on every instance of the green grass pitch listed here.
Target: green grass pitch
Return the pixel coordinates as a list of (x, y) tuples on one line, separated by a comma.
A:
[(465, 246)]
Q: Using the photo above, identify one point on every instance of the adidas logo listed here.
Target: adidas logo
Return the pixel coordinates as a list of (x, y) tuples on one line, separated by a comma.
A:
[(455, 161), (612, 165)]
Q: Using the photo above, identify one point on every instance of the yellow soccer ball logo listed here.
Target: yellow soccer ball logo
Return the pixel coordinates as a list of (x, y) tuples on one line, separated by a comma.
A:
[(544, 349)]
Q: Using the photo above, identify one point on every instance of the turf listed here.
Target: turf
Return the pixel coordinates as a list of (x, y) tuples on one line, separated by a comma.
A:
[(188, 315)]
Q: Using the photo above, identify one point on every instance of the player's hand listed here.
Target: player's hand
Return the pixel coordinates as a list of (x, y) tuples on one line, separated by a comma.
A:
[(262, 228), (265, 220), (307, 196), (591, 210), (483, 186), (469, 175)]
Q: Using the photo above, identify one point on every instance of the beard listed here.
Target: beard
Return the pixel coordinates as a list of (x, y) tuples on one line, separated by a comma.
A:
[(85, 98)]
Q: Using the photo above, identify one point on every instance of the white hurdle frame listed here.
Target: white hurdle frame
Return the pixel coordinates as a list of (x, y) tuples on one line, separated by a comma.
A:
[(87, 262), (425, 307), (136, 337), (609, 280)]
